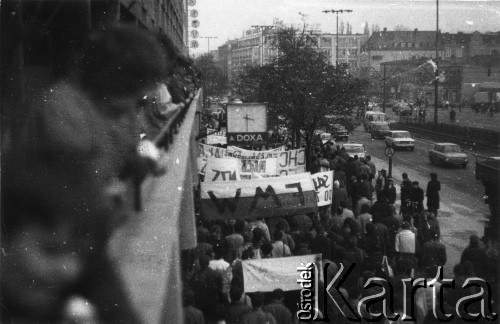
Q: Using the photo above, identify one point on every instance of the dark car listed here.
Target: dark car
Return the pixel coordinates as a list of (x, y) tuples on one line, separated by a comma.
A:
[(448, 153), (339, 132), (380, 130)]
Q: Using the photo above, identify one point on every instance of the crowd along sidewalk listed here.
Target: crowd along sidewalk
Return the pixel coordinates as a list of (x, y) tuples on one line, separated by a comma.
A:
[(456, 218)]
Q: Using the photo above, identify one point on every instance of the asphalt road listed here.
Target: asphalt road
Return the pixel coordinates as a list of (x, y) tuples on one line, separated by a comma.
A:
[(462, 212)]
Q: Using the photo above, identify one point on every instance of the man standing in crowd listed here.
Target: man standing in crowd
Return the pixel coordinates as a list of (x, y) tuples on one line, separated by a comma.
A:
[(476, 254), (433, 254), (406, 187), (406, 244), (276, 308), (258, 315), (373, 168), (339, 195), (417, 196), (390, 192), (432, 193)]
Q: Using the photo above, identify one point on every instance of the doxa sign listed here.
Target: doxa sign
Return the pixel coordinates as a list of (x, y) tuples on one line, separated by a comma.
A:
[(246, 138)]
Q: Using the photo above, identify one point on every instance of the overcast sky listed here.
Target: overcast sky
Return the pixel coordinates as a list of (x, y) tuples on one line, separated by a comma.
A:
[(226, 19)]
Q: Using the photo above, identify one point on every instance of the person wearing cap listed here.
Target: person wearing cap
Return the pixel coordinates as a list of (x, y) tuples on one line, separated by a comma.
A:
[(476, 254), (258, 315)]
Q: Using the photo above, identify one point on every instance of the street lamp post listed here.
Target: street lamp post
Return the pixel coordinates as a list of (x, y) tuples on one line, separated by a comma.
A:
[(208, 39), (337, 13), (262, 28), (436, 77)]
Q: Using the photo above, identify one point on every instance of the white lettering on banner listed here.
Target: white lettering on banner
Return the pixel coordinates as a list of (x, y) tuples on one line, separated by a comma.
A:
[(216, 137), (323, 184), (288, 163), (222, 170), (281, 185)]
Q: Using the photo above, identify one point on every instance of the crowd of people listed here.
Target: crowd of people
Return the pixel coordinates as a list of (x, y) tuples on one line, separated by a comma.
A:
[(362, 226)]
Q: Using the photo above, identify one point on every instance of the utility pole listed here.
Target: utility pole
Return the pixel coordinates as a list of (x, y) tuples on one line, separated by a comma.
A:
[(208, 39), (436, 77), (263, 28), (337, 13), (384, 79)]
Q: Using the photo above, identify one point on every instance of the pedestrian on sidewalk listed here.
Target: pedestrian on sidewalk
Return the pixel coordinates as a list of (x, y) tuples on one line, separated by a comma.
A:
[(432, 193)]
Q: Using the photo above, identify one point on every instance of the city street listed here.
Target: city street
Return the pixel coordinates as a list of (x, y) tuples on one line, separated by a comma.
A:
[(462, 212)]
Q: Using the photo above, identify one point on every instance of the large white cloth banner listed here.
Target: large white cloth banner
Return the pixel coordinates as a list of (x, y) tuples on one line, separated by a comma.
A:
[(276, 273), (222, 170), (267, 197), (288, 163), (216, 137), (323, 183)]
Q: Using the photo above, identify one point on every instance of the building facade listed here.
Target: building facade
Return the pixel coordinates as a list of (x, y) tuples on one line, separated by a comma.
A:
[(388, 46), (256, 48)]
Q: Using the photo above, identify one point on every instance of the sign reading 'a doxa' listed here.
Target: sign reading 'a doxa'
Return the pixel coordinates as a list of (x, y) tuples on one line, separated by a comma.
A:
[(247, 138), (266, 197)]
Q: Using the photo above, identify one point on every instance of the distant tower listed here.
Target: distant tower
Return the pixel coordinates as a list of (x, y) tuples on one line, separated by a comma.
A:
[(367, 29)]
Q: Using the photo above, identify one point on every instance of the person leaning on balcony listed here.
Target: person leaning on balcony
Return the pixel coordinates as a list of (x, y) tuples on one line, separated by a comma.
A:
[(60, 179)]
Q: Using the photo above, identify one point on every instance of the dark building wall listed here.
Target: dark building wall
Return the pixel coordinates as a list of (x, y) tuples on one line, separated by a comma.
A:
[(40, 39)]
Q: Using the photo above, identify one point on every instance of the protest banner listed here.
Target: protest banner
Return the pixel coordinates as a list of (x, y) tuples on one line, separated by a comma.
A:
[(289, 162), (268, 197), (222, 170), (323, 184), (276, 273), (265, 168), (216, 137)]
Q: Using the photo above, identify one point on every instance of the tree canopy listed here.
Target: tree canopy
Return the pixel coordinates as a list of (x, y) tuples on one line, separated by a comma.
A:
[(214, 80), (301, 87)]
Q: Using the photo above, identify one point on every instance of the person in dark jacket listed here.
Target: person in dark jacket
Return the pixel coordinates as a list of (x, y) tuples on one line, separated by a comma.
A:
[(476, 255), (433, 254), (417, 196), (432, 193), (406, 187), (390, 192)]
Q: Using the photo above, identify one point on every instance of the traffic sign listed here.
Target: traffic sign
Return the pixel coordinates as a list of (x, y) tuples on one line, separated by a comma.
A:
[(194, 44), (193, 13), (195, 23), (389, 152), (194, 33), (192, 3)]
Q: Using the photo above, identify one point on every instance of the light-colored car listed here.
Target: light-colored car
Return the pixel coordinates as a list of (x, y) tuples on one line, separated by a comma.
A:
[(372, 117), (400, 139), (448, 154), (355, 149), (325, 137)]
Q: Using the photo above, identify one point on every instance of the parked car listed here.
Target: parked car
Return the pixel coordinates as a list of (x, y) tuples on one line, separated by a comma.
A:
[(372, 117), (448, 154), (339, 132), (400, 139), (322, 137), (355, 149), (379, 130)]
